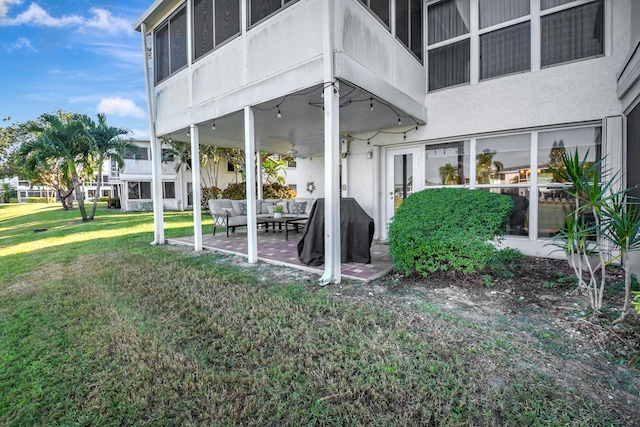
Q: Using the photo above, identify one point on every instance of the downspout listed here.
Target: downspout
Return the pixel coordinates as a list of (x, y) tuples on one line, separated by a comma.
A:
[(156, 177)]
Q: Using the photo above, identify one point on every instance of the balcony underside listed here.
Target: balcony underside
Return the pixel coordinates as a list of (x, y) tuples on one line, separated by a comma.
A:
[(301, 121)]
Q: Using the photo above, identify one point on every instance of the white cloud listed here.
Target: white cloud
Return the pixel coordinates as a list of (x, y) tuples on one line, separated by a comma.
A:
[(37, 16), (103, 20), (21, 43), (4, 6), (120, 107), (100, 19)]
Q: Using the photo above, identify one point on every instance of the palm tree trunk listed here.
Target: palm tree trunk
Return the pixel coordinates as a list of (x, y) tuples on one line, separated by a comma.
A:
[(95, 199)]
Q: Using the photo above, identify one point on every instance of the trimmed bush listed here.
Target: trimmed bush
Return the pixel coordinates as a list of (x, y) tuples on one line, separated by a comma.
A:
[(447, 229), (13, 200)]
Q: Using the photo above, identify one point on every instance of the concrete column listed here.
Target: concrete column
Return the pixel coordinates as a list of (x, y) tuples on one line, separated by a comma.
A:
[(250, 161), (197, 192), (331, 151)]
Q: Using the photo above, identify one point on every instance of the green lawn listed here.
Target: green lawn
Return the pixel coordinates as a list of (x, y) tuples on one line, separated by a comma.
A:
[(98, 327)]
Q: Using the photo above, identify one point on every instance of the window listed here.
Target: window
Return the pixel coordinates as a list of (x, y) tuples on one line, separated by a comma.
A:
[(138, 153), (449, 65), (168, 155), (500, 43), (500, 160), (554, 201), (168, 190), (447, 164), (448, 19), (494, 12), (139, 190), (572, 34), (214, 22), (380, 8), (260, 9), (230, 167), (449, 59), (505, 51), (409, 25), (170, 45)]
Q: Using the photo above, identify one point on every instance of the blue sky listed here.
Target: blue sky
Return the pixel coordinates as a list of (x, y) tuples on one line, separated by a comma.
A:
[(82, 56)]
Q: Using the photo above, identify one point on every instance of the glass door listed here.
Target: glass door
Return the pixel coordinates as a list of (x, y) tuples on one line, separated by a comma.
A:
[(404, 177)]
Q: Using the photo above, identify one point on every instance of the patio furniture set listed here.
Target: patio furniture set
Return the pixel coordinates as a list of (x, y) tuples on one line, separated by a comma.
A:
[(230, 214)]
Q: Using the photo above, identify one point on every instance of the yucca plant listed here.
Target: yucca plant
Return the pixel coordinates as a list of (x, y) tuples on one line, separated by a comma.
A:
[(623, 230), (581, 238)]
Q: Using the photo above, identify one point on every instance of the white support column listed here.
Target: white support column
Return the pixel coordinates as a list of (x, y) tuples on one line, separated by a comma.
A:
[(197, 192), (332, 153), (156, 152), (378, 196), (156, 190), (250, 161), (259, 177)]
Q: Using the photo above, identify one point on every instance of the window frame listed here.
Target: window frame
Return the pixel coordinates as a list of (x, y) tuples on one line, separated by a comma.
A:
[(139, 186), (535, 18), (215, 44), (167, 24), (283, 5)]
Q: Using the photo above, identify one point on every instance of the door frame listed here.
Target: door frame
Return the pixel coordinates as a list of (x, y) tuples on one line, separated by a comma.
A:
[(387, 203)]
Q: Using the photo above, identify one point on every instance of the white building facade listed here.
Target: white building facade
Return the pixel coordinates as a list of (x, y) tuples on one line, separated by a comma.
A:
[(385, 98)]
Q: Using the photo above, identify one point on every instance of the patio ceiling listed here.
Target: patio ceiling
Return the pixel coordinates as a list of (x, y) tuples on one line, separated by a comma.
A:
[(301, 121)]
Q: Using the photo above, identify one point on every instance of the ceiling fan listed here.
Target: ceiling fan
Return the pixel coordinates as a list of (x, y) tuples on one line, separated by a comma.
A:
[(293, 152)]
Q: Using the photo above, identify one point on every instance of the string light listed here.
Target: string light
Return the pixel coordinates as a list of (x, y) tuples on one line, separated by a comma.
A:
[(213, 125), (188, 133), (399, 121), (279, 113), (371, 104)]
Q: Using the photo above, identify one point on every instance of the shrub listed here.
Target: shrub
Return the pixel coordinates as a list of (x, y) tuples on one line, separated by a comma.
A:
[(269, 191), (447, 228), (237, 191), (275, 190), (114, 203), (209, 193), (103, 199), (40, 200), (13, 200)]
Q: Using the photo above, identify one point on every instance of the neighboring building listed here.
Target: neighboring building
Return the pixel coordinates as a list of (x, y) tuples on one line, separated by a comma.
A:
[(132, 183), (417, 95)]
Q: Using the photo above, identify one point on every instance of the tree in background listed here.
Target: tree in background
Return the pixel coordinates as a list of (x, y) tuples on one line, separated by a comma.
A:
[(106, 144), (61, 147)]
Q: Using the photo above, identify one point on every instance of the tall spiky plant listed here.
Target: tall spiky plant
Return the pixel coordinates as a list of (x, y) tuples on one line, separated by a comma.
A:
[(580, 237), (623, 230)]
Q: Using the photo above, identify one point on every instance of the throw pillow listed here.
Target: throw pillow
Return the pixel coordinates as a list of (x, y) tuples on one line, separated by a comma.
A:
[(264, 207), (243, 208), (299, 208), (285, 206)]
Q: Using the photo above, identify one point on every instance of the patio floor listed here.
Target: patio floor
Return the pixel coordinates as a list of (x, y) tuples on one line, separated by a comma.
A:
[(274, 249)]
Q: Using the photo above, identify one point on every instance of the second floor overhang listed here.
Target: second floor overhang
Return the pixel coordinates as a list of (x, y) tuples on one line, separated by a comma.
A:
[(278, 63)]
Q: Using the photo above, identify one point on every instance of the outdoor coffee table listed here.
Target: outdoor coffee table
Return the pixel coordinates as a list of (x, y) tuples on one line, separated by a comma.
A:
[(290, 223)]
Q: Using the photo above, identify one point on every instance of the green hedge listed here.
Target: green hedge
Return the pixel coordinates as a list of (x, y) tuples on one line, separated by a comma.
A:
[(447, 228), (269, 191), (40, 200)]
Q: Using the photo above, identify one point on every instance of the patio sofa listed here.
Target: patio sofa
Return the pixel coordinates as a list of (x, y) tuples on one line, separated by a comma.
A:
[(230, 214)]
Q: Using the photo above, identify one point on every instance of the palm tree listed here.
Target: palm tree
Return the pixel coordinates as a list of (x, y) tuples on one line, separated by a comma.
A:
[(448, 174), (60, 141), (106, 144)]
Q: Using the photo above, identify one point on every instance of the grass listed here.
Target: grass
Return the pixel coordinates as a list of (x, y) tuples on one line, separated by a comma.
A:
[(97, 327)]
